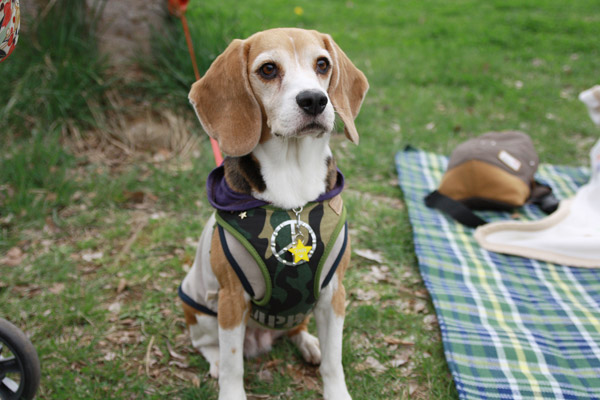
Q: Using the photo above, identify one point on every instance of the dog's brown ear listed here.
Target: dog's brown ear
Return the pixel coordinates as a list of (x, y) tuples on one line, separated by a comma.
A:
[(225, 103), (347, 88)]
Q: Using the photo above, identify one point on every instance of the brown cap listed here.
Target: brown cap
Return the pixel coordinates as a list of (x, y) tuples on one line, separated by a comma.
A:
[(498, 166)]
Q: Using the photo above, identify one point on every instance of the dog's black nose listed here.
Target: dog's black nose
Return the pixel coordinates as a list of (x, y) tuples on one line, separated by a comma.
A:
[(313, 102)]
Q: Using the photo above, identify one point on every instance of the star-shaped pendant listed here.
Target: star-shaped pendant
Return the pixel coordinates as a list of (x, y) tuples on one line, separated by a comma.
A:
[(300, 252), (243, 215)]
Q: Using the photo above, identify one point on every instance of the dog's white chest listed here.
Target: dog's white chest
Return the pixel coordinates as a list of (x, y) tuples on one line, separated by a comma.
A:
[(294, 170)]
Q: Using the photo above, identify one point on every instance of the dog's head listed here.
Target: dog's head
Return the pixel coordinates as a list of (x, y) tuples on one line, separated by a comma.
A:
[(284, 82)]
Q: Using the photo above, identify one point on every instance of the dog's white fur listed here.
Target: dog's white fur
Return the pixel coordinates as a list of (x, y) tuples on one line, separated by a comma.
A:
[(294, 169), (292, 148)]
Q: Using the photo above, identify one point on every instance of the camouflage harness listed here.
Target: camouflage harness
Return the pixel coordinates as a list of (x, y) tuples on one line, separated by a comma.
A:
[(292, 287)]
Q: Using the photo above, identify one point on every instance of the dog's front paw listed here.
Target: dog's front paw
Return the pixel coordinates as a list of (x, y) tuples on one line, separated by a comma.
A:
[(334, 385), (211, 354), (308, 346), (232, 395), (339, 394)]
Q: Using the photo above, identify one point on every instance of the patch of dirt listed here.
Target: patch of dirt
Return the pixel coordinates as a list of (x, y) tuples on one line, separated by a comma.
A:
[(138, 133)]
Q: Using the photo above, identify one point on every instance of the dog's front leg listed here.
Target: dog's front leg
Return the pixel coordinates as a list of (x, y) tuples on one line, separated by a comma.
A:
[(233, 315), (329, 316)]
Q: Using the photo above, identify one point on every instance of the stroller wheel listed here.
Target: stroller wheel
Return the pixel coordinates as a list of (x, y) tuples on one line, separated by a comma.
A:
[(19, 364)]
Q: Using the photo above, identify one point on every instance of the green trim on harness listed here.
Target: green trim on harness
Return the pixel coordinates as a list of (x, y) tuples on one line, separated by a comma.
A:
[(328, 248), (261, 264)]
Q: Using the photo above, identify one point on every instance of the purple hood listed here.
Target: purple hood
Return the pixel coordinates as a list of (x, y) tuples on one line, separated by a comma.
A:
[(223, 198)]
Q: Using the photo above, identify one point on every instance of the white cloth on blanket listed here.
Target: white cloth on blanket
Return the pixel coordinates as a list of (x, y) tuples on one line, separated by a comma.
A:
[(569, 236)]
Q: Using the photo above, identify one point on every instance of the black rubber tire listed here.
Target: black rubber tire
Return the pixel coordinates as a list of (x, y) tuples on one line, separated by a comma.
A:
[(24, 361)]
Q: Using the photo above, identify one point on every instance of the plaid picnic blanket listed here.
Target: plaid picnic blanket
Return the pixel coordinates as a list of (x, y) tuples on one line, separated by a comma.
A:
[(512, 328)]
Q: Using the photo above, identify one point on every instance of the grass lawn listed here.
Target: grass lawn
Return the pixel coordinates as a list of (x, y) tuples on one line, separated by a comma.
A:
[(93, 247)]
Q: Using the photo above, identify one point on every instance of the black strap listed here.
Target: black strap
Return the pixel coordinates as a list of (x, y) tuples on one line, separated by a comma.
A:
[(232, 261), (197, 306), (338, 258), (453, 208), (543, 197)]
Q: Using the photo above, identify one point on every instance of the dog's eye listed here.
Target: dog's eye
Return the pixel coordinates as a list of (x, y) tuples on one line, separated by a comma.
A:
[(268, 71), (322, 65)]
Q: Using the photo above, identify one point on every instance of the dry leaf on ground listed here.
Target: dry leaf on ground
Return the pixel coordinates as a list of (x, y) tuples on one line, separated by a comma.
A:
[(367, 296), (303, 377), (13, 257), (174, 354), (402, 356), (179, 364), (188, 376), (89, 257), (430, 322), (122, 285), (378, 274), (370, 255), (139, 197), (420, 306), (391, 340), (373, 364), (398, 362), (57, 288), (115, 307), (265, 375)]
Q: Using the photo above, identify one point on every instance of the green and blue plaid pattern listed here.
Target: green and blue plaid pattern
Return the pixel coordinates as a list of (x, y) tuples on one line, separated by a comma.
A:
[(512, 328)]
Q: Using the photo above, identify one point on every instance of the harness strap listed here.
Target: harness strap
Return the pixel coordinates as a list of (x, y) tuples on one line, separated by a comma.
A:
[(195, 305), (232, 261), (337, 259)]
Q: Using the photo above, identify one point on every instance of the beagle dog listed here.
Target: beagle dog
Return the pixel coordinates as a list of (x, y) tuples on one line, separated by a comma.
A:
[(277, 247)]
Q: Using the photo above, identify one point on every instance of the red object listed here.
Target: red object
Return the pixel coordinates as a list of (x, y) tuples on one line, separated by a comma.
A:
[(10, 20), (178, 8)]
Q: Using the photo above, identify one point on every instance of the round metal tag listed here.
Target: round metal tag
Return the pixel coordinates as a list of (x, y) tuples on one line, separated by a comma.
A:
[(279, 254)]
